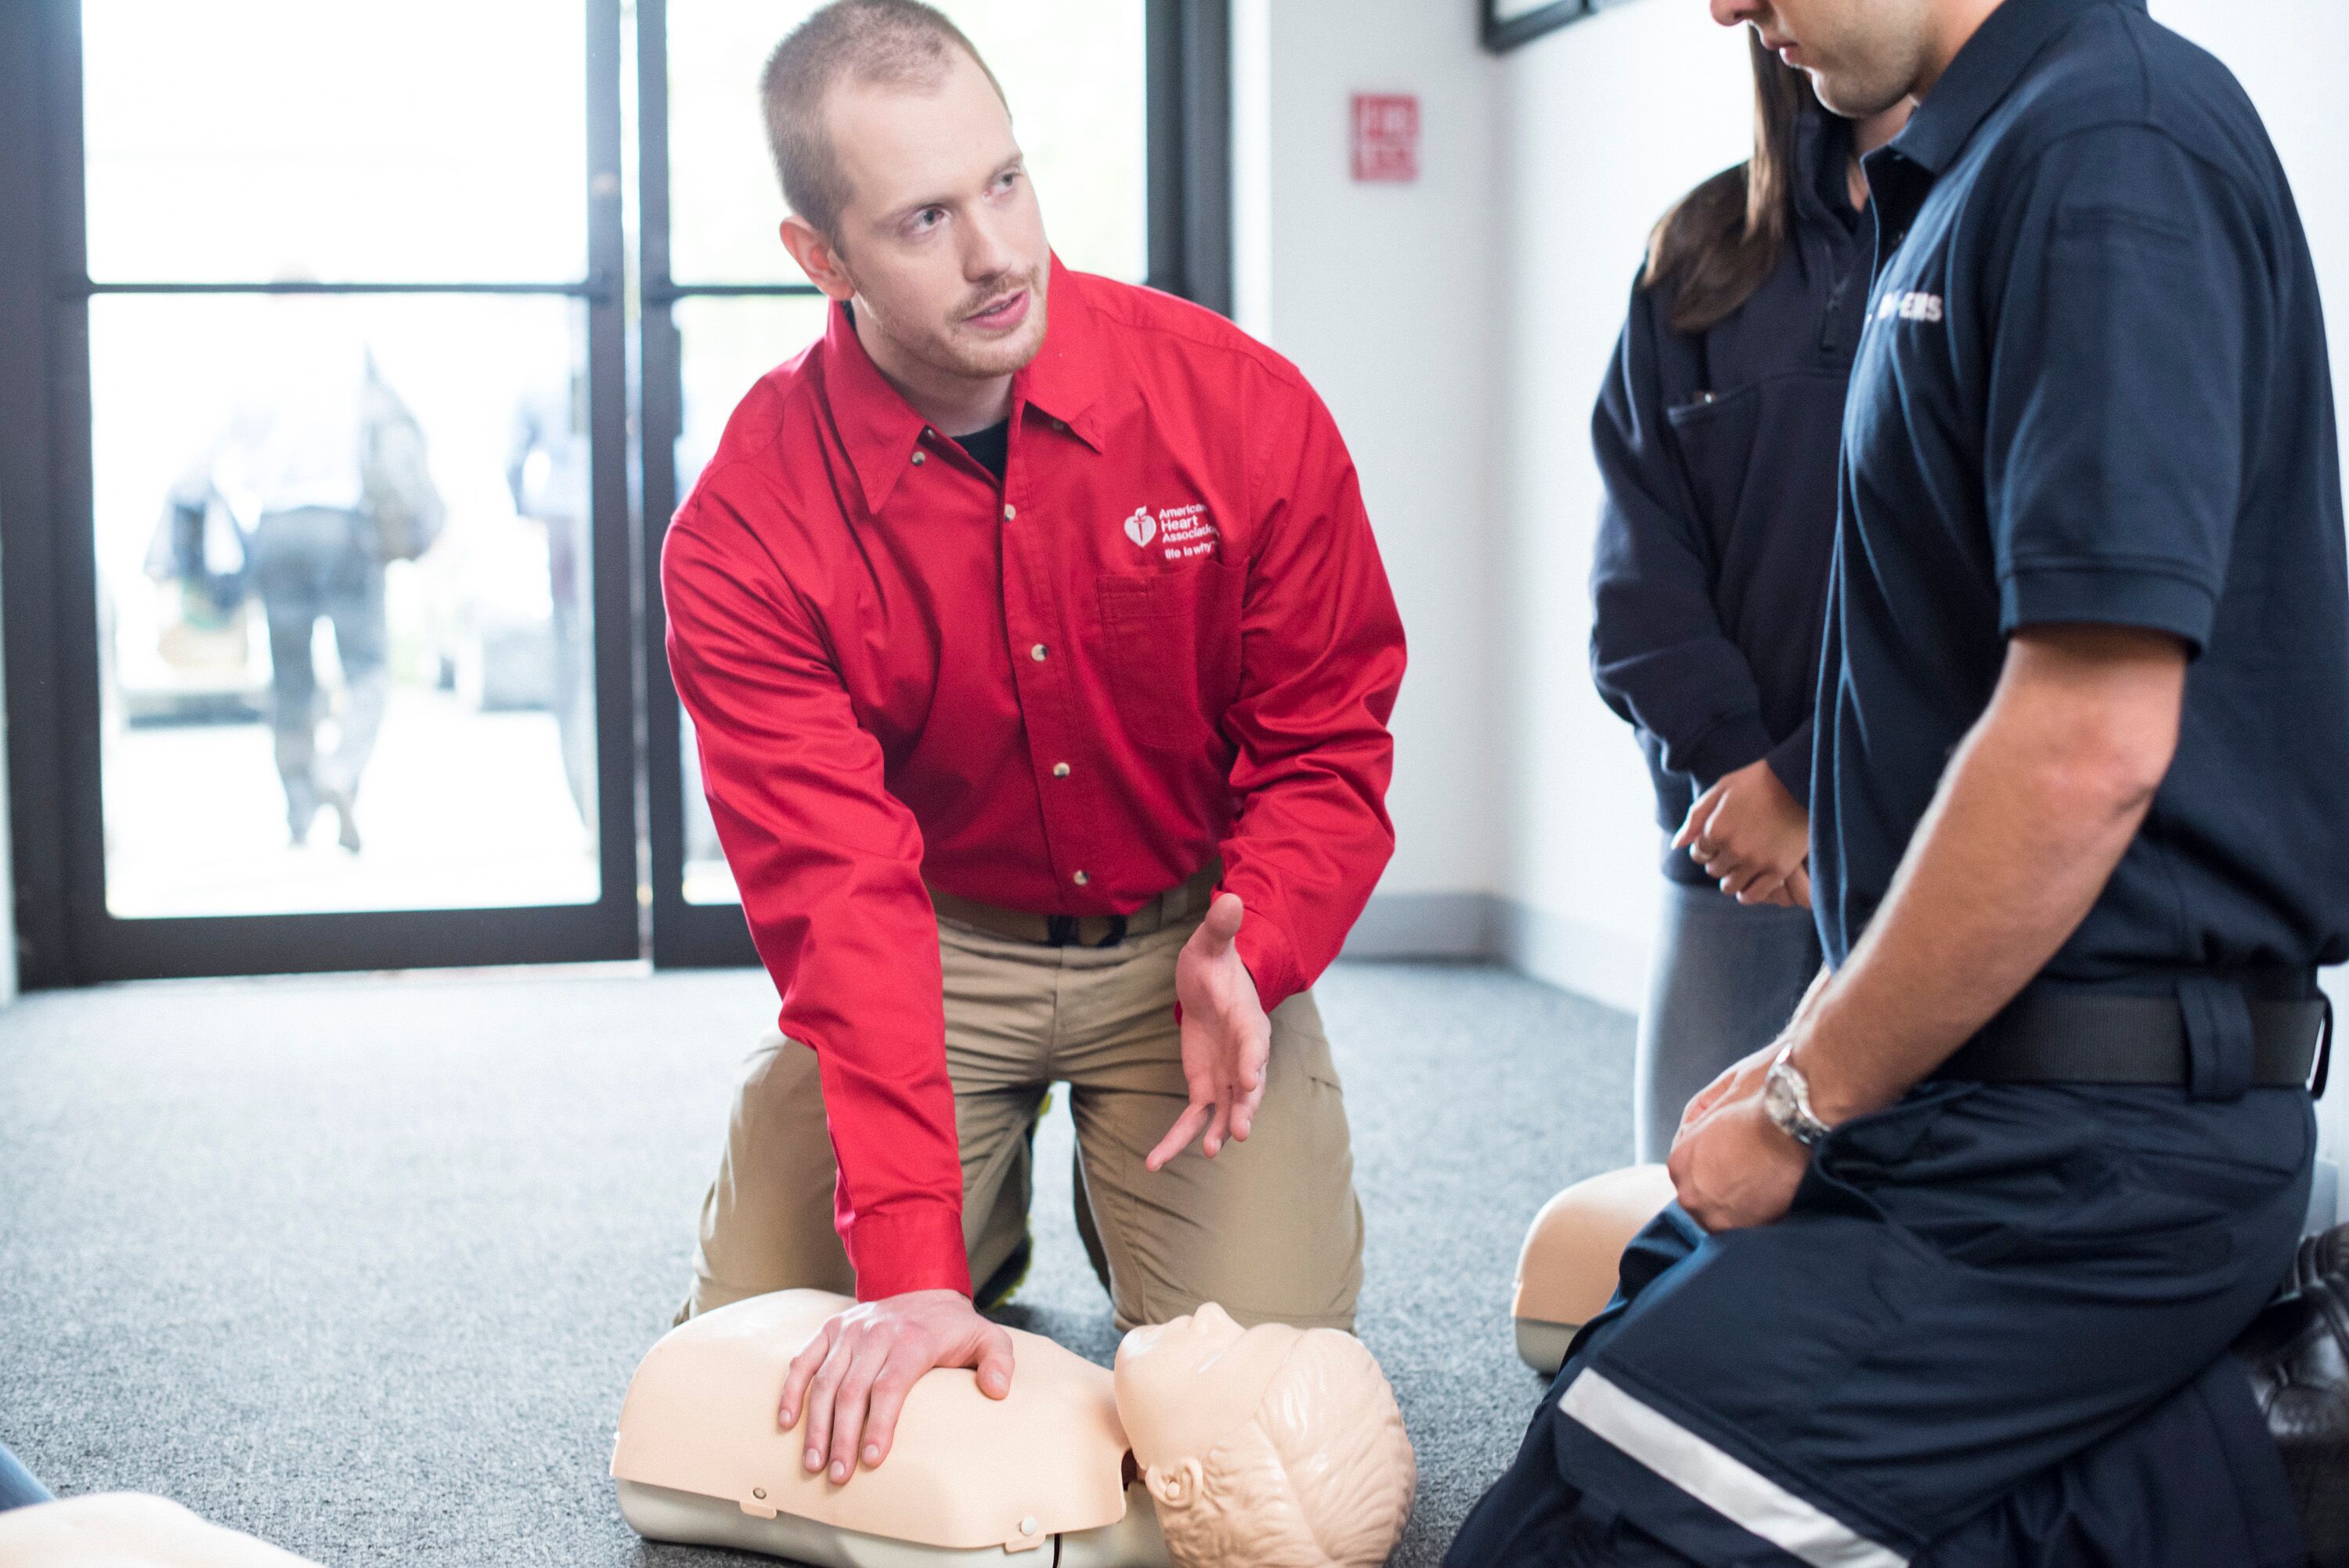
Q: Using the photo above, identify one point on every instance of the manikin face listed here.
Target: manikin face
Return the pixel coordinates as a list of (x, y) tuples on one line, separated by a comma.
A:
[(1862, 56), (1186, 1385), (941, 238), (1266, 1447)]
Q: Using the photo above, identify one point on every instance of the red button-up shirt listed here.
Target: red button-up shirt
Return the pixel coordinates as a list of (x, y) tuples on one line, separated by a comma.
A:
[(1166, 636)]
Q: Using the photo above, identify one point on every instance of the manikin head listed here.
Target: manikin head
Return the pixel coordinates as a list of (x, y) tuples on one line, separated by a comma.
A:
[(909, 193), (1862, 56), (1271, 1447)]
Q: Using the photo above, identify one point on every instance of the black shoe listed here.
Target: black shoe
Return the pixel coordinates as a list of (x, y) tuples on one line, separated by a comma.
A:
[(2296, 1353), (1008, 1278)]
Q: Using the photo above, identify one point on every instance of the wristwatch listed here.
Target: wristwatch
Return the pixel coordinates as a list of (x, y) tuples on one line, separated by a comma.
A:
[(1787, 1097)]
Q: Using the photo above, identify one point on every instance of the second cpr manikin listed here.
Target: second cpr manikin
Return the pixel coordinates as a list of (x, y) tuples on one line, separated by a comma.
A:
[(127, 1529), (1201, 1429), (1573, 1252)]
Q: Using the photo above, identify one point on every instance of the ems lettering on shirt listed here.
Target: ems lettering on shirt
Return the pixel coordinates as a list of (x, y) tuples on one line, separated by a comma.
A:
[(1910, 304)]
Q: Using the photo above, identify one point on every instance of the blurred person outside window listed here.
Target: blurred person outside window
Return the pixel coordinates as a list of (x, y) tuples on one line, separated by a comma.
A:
[(547, 472), (323, 465)]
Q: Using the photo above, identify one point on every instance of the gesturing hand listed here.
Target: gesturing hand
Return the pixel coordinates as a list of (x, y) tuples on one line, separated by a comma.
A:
[(1751, 836), (1731, 1165), (1225, 1037), (854, 1375)]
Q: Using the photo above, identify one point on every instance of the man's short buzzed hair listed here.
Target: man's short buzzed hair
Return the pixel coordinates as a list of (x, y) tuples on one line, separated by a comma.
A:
[(888, 42)]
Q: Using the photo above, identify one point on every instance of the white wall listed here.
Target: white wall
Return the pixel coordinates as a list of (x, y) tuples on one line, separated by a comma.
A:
[(2289, 55), (1605, 124), (1383, 294), (1458, 327)]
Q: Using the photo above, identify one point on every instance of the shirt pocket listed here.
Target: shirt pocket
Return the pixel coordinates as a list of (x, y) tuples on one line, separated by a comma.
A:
[(1715, 437), (1151, 644)]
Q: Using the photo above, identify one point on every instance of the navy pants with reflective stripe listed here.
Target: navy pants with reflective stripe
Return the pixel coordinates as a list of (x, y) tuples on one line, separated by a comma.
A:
[(1991, 1331)]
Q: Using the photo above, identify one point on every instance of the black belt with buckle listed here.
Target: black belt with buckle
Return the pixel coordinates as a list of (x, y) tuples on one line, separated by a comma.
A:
[(2051, 1035), (1178, 903)]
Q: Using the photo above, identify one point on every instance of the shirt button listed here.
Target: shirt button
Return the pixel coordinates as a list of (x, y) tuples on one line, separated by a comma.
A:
[(929, 433), (1082, 878), (1060, 770), (1037, 652), (1010, 511), (919, 460)]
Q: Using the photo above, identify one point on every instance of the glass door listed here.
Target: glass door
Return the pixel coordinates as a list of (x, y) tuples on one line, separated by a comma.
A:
[(342, 485), (330, 540), (1094, 86)]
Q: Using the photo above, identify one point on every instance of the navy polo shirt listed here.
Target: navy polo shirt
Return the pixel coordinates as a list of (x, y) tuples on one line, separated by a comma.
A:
[(2094, 388)]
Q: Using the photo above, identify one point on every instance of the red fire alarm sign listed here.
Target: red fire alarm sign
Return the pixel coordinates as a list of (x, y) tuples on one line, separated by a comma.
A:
[(1386, 136)]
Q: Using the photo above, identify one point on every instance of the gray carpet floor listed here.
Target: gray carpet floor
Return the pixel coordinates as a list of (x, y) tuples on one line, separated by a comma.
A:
[(362, 1265)]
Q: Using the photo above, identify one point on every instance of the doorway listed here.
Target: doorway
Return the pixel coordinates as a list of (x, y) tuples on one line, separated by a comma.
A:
[(333, 513)]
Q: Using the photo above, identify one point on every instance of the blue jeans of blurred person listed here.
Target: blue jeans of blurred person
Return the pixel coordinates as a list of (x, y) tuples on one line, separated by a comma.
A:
[(17, 1487), (1724, 979), (312, 563)]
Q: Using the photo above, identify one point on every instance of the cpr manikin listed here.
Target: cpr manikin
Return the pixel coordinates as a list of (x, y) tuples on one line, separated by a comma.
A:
[(127, 1529), (1270, 1446), (701, 1457), (1566, 1271)]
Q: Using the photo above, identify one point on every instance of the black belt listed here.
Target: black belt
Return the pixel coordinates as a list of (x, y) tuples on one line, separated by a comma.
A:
[(2099, 1038), (1176, 903)]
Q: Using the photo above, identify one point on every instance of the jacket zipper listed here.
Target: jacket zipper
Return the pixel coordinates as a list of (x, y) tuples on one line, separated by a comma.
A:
[(1831, 331)]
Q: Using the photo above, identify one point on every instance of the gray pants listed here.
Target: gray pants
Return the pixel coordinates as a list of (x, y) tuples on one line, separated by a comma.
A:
[(1724, 978), (310, 563)]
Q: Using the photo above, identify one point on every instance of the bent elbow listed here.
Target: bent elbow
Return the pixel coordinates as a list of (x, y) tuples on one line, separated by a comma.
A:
[(2114, 772), (2100, 708)]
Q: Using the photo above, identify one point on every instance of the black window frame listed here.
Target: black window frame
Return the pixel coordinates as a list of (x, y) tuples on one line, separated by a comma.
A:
[(49, 589)]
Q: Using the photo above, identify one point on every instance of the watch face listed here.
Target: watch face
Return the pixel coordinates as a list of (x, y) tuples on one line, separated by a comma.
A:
[(1782, 1100)]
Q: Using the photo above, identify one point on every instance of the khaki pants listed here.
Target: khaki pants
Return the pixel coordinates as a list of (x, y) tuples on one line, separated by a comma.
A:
[(1270, 1229)]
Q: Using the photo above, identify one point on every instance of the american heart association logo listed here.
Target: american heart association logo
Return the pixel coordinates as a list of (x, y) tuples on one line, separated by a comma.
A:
[(1141, 527)]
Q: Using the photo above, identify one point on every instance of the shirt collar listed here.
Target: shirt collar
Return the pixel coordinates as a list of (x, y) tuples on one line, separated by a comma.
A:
[(1983, 74), (1821, 152), (881, 430), (1063, 381)]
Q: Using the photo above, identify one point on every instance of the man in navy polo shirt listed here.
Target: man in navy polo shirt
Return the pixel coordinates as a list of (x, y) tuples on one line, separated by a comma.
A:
[(1958, 1260)]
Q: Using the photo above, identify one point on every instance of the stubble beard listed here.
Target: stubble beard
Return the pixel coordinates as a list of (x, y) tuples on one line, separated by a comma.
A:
[(1867, 81), (1855, 98), (953, 348)]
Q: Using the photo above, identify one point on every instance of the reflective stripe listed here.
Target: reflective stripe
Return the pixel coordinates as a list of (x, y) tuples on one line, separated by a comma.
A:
[(1722, 1482)]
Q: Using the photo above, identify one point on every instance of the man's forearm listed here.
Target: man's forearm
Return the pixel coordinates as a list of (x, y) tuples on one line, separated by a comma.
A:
[(2036, 809)]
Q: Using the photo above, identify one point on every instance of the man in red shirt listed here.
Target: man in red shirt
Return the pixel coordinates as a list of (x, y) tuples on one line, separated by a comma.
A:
[(1019, 618)]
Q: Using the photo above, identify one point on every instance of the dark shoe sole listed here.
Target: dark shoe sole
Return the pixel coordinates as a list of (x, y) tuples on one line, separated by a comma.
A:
[(1006, 1279), (2296, 1354)]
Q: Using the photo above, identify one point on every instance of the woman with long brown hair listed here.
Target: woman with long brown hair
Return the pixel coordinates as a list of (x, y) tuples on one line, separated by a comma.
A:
[(1717, 434)]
